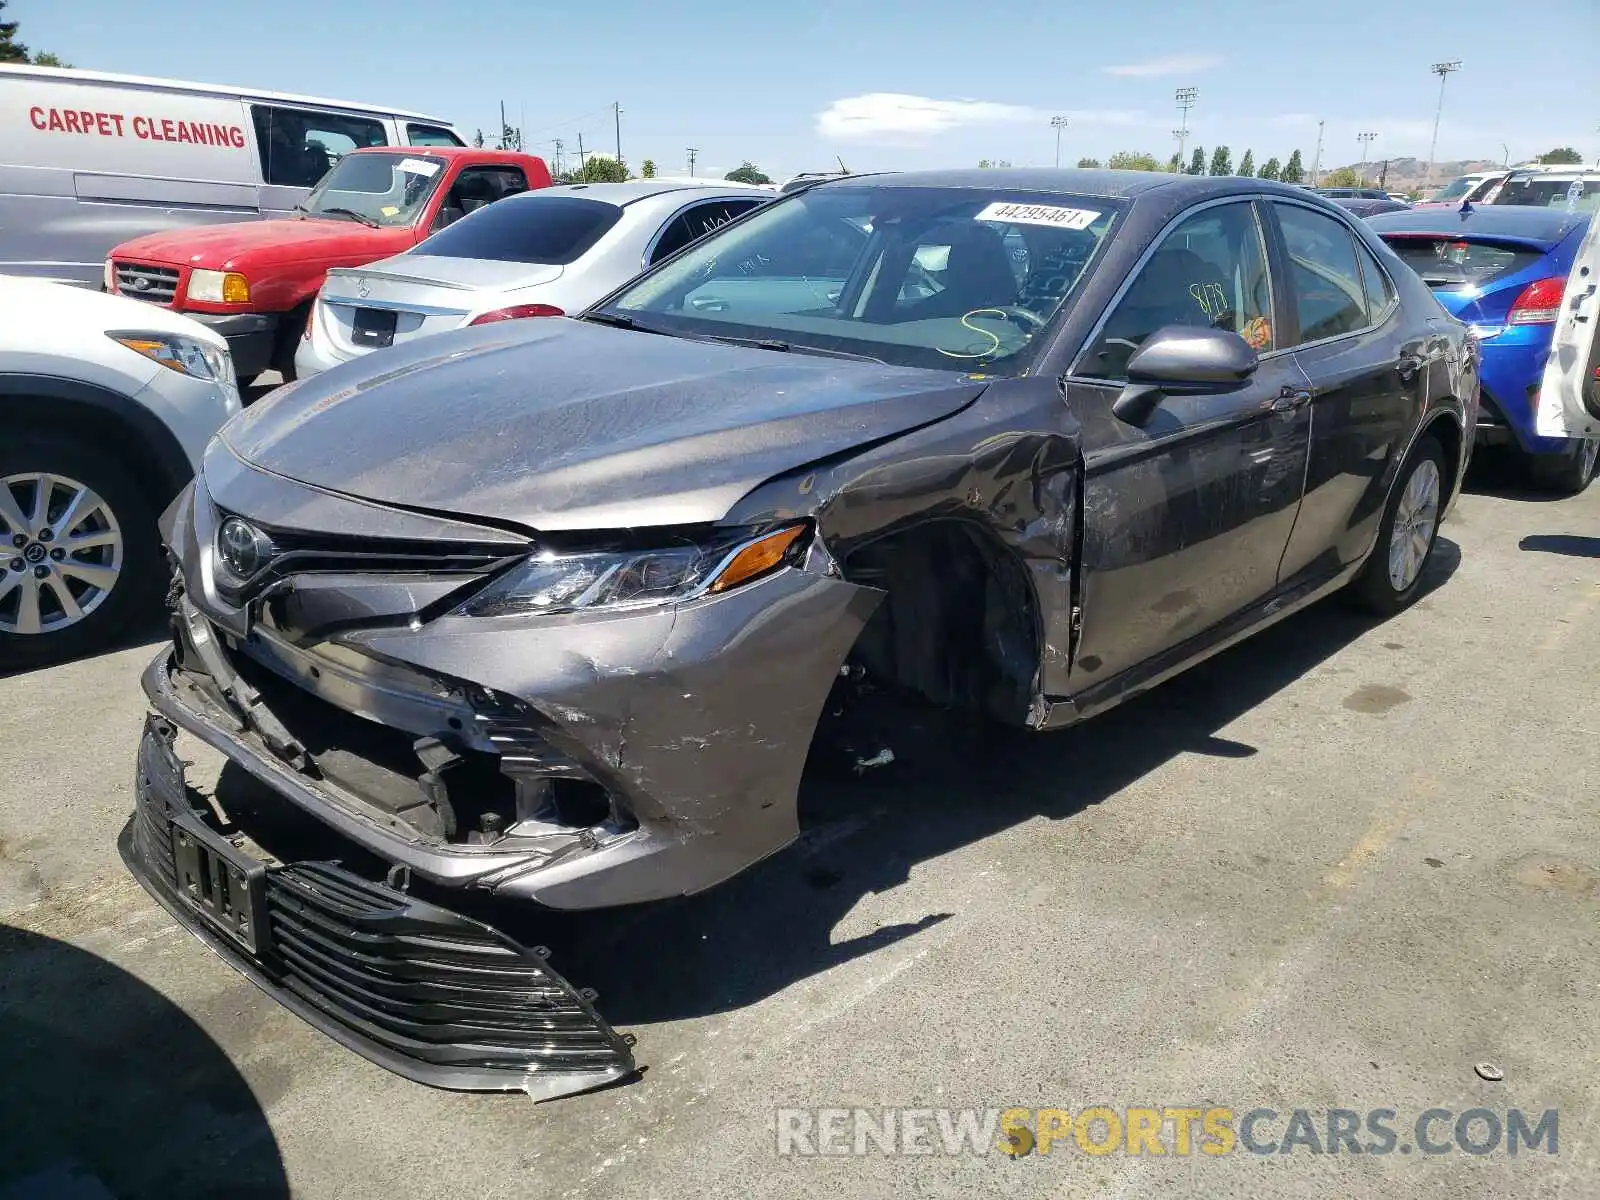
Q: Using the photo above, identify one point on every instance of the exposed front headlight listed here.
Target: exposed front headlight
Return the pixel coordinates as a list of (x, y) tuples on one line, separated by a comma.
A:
[(219, 287), (552, 582), (181, 354)]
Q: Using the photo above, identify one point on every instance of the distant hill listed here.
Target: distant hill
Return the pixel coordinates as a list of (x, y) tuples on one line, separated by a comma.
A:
[(1404, 174)]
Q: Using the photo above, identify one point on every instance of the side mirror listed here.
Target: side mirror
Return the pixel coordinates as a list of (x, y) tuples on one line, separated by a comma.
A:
[(1182, 359)]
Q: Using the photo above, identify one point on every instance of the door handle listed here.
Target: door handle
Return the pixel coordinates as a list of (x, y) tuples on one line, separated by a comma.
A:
[(1290, 399)]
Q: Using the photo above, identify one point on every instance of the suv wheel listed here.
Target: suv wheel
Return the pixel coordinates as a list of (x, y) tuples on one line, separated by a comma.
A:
[(1570, 471), (1393, 573), (79, 552)]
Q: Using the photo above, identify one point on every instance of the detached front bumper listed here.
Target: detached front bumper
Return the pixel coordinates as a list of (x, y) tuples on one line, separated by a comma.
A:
[(427, 993)]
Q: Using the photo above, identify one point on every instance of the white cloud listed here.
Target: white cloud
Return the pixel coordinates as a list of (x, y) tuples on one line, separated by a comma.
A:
[(1172, 64), (897, 114)]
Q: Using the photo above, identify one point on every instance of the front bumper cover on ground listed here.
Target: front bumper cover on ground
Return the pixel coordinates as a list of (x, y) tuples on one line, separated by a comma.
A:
[(428, 993)]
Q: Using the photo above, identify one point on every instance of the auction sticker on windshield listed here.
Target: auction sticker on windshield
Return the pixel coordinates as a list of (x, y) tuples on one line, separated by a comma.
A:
[(1038, 214), (419, 166)]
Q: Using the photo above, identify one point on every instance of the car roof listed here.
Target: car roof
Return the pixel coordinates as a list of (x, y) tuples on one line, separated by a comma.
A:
[(73, 75), (635, 189), (1526, 222), (445, 152), (1067, 181)]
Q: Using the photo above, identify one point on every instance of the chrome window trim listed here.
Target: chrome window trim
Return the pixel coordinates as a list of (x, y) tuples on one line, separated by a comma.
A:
[(1350, 229), (1072, 375)]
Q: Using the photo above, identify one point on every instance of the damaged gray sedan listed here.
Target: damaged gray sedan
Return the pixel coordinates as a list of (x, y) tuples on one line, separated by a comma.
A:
[(550, 610)]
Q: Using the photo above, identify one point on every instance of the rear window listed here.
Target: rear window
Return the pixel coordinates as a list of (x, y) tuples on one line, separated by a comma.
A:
[(531, 229), (1545, 192), (1451, 263)]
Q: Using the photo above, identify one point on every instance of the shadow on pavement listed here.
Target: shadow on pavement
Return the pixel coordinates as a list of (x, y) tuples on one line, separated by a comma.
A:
[(108, 1090), (1576, 545), (147, 630)]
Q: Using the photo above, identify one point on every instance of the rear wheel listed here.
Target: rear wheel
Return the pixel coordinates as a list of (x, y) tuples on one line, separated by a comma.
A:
[(1392, 576), (1570, 471), (79, 551)]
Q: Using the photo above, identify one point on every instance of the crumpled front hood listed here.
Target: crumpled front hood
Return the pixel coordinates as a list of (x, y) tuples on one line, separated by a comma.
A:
[(556, 424)]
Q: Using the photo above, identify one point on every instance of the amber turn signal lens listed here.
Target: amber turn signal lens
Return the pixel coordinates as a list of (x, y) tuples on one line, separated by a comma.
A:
[(235, 289), (757, 558)]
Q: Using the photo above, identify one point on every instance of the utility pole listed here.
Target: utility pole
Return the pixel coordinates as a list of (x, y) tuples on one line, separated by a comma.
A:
[(616, 114), (1366, 140), (1185, 96), (692, 152), (583, 163), (1442, 70), (1316, 159), (559, 145), (1058, 123), (503, 125)]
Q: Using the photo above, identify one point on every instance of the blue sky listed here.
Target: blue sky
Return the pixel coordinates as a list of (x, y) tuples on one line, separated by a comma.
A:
[(892, 83)]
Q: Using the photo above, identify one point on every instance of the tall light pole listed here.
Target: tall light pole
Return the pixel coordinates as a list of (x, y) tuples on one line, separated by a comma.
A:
[(1058, 123), (1316, 158), (692, 152), (1366, 140), (1185, 98), (1442, 70), (616, 113)]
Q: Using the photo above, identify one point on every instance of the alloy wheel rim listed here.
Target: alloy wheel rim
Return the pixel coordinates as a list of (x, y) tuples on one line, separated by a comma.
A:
[(1415, 519), (61, 552)]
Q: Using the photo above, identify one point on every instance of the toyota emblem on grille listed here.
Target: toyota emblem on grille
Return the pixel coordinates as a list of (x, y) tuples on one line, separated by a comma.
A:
[(242, 548)]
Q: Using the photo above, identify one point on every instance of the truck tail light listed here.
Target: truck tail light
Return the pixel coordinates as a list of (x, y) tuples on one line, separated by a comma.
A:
[(516, 312), (1539, 304)]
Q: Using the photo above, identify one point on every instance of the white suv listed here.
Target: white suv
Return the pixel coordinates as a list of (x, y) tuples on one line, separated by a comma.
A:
[(106, 406)]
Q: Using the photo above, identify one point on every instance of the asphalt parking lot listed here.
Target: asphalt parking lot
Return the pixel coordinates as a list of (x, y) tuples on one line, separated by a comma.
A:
[(1336, 867)]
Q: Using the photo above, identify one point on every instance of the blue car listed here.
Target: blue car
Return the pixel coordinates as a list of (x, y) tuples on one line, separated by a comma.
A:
[(1502, 269)]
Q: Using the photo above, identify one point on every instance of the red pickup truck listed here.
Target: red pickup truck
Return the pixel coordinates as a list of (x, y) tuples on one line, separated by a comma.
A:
[(254, 281)]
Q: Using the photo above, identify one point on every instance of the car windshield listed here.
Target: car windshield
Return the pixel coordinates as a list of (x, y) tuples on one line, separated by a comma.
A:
[(1456, 188), (1580, 193), (954, 278), (553, 230), (376, 189)]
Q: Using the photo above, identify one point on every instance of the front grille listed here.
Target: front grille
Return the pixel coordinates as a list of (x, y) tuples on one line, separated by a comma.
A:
[(151, 832), (137, 281), (425, 982)]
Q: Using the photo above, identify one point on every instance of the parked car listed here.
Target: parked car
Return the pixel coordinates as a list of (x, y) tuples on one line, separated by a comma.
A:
[(1572, 188), (1352, 193), (1364, 207), (1399, 198), (543, 254), (1504, 270), (1473, 188), (90, 159), (552, 609), (254, 282), (107, 406)]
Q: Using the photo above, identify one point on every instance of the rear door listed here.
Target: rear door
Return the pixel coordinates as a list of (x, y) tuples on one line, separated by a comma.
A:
[(1365, 360), (1569, 396)]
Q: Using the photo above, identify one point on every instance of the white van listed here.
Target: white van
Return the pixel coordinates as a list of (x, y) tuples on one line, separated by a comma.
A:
[(89, 160)]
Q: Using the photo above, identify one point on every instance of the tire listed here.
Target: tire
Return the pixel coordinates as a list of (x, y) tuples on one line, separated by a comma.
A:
[(115, 511), (1377, 588), (1568, 472)]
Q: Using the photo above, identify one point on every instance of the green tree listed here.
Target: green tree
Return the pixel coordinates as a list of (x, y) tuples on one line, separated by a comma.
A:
[(1221, 161), (1090, 163), (46, 59), (747, 172), (1294, 170), (648, 170), (1247, 164), (1197, 162), (985, 164), (510, 138), (1271, 169), (1175, 163), (11, 50), (1561, 155), (602, 168), (1129, 160), (477, 139), (1342, 177)]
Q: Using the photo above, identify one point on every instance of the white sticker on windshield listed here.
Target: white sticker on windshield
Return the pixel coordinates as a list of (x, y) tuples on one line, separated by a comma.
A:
[(420, 166), (1038, 214)]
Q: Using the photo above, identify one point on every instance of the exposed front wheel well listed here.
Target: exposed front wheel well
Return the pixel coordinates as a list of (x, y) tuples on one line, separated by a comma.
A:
[(959, 625)]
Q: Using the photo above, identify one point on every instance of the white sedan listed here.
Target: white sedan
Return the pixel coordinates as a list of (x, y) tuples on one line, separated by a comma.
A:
[(543, 253)]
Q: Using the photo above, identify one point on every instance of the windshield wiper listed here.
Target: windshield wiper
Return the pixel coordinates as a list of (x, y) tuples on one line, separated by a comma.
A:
[(618, 321), (350, 212), (784, 347)]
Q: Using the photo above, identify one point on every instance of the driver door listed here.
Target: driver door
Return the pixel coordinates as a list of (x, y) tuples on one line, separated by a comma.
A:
[(1185, 518)]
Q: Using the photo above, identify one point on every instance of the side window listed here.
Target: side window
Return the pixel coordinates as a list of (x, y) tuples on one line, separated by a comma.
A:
[(476, 187), (1380, 292), (1329, 296), (299, 147), (431, 135), (693, 225), (1210, 271)]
